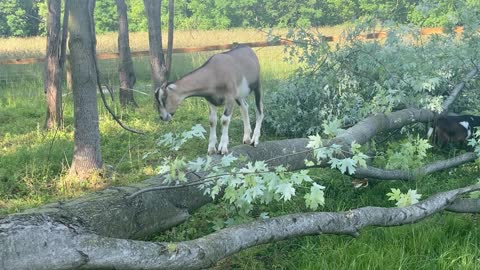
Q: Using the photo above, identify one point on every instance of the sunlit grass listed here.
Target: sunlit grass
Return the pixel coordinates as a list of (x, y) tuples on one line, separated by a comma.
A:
[(34, 163)]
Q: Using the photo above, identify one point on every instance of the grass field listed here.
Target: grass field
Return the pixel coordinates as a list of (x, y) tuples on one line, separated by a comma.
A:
[(107, 43), (33, 163)]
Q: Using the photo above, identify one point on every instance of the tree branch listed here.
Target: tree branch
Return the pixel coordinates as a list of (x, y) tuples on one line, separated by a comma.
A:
[(464, 206), (456, 90), (53, 244), (372, 172)]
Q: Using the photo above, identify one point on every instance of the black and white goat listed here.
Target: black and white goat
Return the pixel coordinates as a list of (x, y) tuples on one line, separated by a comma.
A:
[(453, 129), (225, 79)]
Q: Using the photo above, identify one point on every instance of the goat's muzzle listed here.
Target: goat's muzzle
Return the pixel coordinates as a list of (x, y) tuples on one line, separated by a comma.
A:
[(168, 117)]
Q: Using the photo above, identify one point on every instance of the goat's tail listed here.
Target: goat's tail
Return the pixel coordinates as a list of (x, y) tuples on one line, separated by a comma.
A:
[(258, 95)]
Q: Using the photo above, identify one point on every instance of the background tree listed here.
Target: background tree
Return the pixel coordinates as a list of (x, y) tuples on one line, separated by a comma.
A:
[(53, 92), (87, 153), (158, 65), (126, 71), (63, 47), (19, 18)]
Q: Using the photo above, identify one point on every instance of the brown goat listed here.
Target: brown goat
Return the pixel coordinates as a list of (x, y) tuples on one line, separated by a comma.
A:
[(453, 129)]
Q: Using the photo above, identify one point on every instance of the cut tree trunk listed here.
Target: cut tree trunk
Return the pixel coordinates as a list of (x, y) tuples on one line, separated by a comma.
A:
[(125, 69), (87, 153), (53, 91)]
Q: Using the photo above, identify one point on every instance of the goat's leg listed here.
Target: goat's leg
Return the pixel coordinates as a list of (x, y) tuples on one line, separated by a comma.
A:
[(258, 123), (247, 129), (227, 115), (212, 140)]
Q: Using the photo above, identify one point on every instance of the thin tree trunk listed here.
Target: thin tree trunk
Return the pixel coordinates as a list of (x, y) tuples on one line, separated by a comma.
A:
[(171, 14), (157, 57), (87, 153), (53, 92), (126, 71), (63, 46)]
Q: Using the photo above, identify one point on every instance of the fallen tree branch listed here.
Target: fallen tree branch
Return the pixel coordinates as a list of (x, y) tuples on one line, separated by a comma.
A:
[(95, 220), (464, 206), (41, 242), (383, 174), (458, 88)]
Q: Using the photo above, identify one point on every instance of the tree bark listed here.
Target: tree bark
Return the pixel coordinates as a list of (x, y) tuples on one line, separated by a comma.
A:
[(126, 71), (171, 14), (157, 57), (372, 172), (53, 91), (87, 153), (63, 46)]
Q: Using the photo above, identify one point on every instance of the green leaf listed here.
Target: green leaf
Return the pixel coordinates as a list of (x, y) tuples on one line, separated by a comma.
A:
[(394, 195), (314, 141), (316, 197), (286, 191), (332, 128), (227, 160), (196, 165)]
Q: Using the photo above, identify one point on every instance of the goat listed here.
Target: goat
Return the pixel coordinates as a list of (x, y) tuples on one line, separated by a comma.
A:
[(453, 129), (225, 79)]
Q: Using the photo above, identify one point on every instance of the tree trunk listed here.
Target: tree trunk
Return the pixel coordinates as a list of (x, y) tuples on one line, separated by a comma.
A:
[(53, 91), (157, 57), (126, 71), (63, 46), (171, 14), (87, 155)]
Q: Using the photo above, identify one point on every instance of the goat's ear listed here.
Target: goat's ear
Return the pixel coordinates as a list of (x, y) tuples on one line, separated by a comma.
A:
[(160, 93), (171, 86), (164, 85)]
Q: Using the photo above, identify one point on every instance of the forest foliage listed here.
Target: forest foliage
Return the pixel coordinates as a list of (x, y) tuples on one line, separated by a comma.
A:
[(27, 17)]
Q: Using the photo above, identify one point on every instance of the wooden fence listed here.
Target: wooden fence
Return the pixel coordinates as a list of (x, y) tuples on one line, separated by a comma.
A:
[(103, 56)]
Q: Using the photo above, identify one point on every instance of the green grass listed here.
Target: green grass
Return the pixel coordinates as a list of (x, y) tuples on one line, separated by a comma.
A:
[(443, 241), (33, 164)]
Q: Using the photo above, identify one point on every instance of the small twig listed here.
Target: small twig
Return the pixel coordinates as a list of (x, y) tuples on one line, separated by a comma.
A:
[(97, 71), (110, 91)]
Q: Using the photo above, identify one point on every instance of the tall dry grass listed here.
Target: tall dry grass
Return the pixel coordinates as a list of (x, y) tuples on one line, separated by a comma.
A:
[(36, 46)]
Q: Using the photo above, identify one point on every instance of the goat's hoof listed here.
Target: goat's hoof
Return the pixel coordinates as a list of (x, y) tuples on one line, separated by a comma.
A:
[(247, 141), (223, 151), (212, 150)]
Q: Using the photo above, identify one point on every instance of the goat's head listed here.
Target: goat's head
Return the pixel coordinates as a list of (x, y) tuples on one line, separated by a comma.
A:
[(167, 100)]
